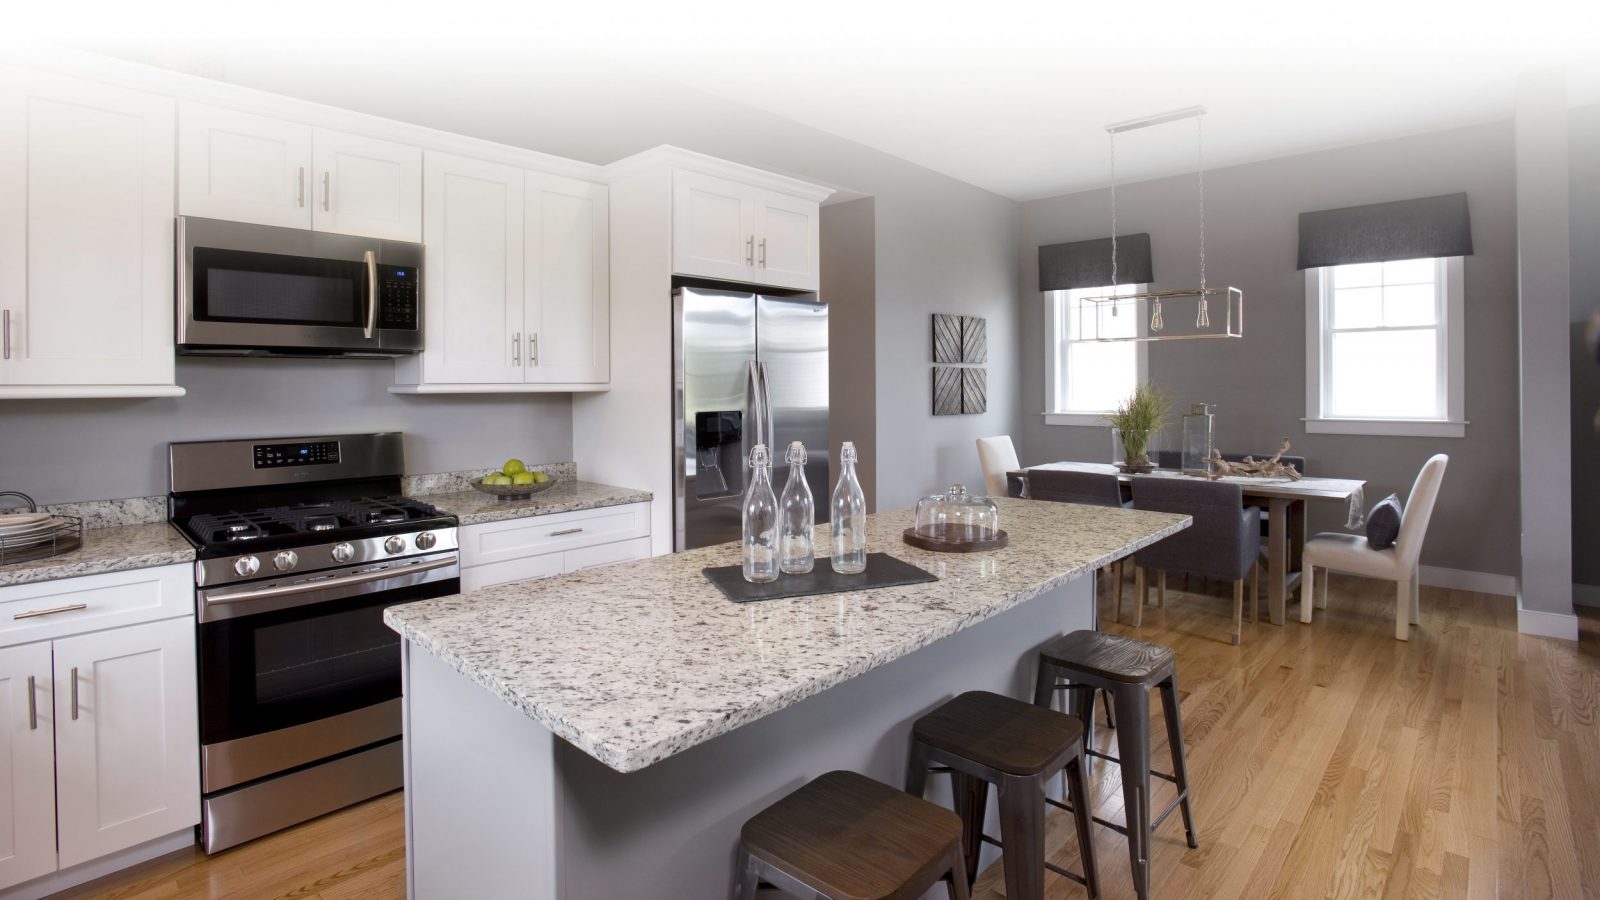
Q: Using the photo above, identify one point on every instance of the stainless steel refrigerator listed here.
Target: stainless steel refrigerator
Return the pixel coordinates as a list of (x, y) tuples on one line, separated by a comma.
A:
[(747, 368)]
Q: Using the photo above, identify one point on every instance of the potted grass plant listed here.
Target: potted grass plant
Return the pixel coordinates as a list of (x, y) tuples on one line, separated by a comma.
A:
[(1136, 421)]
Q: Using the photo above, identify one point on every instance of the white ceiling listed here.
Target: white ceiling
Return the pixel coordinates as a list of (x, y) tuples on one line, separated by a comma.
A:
[(1009, 96)]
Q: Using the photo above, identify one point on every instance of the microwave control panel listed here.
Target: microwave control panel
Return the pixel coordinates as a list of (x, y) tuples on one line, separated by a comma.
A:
[(397, 297)]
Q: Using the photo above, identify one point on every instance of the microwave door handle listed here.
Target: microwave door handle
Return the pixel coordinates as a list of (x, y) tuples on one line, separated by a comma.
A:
[(371, 260)]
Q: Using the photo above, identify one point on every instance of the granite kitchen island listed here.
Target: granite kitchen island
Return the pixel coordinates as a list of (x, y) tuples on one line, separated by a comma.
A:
[(605, 734)]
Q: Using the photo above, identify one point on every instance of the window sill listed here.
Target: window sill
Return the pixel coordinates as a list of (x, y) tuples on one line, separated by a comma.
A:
[(1388, 427), (1076, 418)]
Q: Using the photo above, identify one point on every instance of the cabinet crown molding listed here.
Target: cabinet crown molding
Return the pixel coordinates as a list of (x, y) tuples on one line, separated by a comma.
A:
[(668, 156)]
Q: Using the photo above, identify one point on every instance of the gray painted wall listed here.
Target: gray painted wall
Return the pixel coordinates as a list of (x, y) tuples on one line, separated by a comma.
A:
[(64, 450), (849, 281), (1584, 210), (1258, 382)]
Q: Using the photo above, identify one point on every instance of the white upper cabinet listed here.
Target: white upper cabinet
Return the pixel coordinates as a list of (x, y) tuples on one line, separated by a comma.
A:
[(567, 314), (366, 187), (27, 764), (86, 257), (243, 168), (727, 230)]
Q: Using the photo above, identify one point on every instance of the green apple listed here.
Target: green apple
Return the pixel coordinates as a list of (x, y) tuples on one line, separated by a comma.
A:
[(496, 478), (513, 466), (523, 478), (540, 478)]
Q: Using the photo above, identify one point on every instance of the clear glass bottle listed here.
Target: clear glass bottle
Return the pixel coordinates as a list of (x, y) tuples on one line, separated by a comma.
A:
[(759, 521), (848, 517), (797, 517)]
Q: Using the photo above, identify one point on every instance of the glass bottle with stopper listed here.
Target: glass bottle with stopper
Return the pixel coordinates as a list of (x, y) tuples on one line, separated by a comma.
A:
[(1197, 440), (759, 521), (797, 517), (848, 517)]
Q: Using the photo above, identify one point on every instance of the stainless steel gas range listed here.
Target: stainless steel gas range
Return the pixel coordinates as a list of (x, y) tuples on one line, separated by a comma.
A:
[(302, 543)]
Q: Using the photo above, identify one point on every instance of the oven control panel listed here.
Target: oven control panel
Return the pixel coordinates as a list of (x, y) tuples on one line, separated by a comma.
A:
[(320, 453), (397, 297)]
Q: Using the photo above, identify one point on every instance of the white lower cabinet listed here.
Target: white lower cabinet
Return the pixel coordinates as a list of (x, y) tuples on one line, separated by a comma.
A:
[(101, 739), (540, 546)]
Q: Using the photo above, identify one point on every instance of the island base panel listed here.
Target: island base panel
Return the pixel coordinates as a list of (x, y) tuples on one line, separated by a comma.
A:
[(497, 807)]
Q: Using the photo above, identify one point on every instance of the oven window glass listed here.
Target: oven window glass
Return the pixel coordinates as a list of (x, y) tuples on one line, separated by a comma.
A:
[(268, 288)]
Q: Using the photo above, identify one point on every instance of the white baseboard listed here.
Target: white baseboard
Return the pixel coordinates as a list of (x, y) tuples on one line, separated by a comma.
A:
[(1546, 624), (1585, 594), (55, 882), (1467, 580)]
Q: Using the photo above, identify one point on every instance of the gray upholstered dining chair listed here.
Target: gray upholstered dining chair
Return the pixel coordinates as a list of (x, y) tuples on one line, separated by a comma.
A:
[(1090, 488), (1223, 542)]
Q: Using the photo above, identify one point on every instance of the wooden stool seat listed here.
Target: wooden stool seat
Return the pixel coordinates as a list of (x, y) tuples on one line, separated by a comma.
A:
[(1002, 733), (844, 835), (1110, 656)]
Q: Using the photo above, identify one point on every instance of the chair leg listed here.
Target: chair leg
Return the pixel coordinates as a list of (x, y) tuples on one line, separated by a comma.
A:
[(957, 886), (1180, 764), (917, 769), (1402, 610), (1133, 746), (1022, 833), (1255, 592), (1416, 599), (1308, 592), (1141, 595), (971, 796), (1161, 589), (1322, 592), (1111, 720), (1119, 587), (1078, 791), (749, 876), (1238, 609)]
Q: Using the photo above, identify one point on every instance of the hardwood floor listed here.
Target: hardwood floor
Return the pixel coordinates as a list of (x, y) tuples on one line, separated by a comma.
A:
[(1328, 761)]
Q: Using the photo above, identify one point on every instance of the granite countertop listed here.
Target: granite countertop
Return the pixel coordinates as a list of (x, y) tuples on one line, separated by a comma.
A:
[(475, 508), (636, 662), (112, 549)]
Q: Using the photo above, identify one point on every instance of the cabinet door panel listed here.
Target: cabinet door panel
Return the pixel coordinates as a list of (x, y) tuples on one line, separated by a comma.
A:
[(524, 569), (127, 763), (473, 299), (243, 168), (568, 310), (786, 242), (27, 765), (713, 227), (366, 187), (86, 239)]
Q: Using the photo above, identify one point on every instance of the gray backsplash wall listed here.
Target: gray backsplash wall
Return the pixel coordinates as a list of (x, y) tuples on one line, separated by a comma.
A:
[(1258, 382), (1584, 208), (65, 450)]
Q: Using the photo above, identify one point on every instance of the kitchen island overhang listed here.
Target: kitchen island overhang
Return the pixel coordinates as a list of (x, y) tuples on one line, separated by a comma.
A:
[(605, 733)]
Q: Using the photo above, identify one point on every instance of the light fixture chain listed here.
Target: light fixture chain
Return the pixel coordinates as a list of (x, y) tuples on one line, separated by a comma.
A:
[(1113, 215)]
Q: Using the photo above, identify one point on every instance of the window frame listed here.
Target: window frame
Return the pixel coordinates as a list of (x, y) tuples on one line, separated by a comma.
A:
[(1450, 277), (1055, 347)]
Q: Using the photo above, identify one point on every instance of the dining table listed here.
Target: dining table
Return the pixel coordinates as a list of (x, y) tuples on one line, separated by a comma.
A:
[(1285, 500)]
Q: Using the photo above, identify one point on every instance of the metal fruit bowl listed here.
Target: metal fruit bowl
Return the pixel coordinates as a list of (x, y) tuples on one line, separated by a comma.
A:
[(512, 491)]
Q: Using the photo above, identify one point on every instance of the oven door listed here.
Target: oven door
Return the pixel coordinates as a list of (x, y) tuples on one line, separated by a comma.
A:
[(295, 672), (259, 289)]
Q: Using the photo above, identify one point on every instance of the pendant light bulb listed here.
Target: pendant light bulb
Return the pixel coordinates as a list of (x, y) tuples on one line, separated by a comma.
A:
[(1155, 316), (1203, 319)]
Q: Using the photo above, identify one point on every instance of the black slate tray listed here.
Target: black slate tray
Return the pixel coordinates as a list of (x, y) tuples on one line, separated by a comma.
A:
[(882, 571)]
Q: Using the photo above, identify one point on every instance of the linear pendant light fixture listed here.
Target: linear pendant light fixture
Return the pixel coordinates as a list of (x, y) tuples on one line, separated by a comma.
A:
[(1232, 298)]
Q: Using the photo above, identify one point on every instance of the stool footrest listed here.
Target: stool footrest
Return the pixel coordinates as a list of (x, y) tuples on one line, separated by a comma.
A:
[(1170, 779), (1064, 873), (1156, 822)]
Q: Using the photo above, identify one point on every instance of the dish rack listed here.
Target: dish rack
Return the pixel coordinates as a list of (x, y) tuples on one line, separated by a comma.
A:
[(52, 537)]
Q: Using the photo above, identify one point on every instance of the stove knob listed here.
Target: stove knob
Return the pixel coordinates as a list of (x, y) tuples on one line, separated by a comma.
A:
[(285, 560), (394, 544), (247, 565), (343, 552), (426, 540)]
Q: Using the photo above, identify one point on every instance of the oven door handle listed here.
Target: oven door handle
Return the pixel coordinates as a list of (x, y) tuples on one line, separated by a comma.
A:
[(371, 259), (311, 587)]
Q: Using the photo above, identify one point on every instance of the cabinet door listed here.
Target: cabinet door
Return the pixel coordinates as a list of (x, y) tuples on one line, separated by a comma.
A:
[(85, 233), (713, 227), (127, 739), (472, 289), (27, 765), (244, 168), (366, 187), (787, 231), (568, 311)]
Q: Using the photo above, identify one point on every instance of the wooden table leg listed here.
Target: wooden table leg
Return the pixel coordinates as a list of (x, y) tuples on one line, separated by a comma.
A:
[(1277, 558)]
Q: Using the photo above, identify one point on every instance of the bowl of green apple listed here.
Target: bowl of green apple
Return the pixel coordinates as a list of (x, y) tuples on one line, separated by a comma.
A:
[(513, 481)]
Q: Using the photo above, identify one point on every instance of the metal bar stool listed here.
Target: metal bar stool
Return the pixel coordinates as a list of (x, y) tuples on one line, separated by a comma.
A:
[(981, 739), (842, 836), (1126, 669)]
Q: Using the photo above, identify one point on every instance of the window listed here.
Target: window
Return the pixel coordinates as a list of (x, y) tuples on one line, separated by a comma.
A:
[(1087, 380), (1384, 348)]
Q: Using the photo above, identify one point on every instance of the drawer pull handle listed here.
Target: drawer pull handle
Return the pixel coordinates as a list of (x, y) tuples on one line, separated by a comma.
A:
[(36, 613), (33, 706), (564, 531), (74, 693)]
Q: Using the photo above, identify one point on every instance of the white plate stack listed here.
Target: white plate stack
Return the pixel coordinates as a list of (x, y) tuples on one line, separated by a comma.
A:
[(34, 535)]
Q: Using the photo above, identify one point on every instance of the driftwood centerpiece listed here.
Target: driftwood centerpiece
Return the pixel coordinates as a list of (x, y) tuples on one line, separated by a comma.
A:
[(1273, 467)]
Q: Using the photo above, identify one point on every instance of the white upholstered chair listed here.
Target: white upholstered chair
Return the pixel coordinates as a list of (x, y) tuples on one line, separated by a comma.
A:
[(1350, 553), (997, 457)]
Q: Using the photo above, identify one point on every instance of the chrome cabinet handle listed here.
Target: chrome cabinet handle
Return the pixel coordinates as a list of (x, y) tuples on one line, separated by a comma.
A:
[(5, 327), (516, 349), (763, 253), (564, 531), (533, 349), (325, 191), (74, 693), (750, 250), (35, 613), (300, 195), (371, 259), (33, 706)]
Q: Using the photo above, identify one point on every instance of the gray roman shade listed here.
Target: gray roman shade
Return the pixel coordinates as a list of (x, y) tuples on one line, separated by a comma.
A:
[(1405, 229), (1080, 264)]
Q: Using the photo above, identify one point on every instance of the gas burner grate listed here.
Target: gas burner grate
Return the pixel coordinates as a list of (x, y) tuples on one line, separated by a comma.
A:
[(235, 527)]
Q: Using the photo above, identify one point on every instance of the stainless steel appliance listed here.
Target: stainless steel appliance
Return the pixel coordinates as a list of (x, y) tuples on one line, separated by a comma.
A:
[(302, 543), (747, 369), (258, 290)]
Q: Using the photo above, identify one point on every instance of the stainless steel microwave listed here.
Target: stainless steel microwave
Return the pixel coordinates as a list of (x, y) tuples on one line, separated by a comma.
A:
[(259, 290)]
